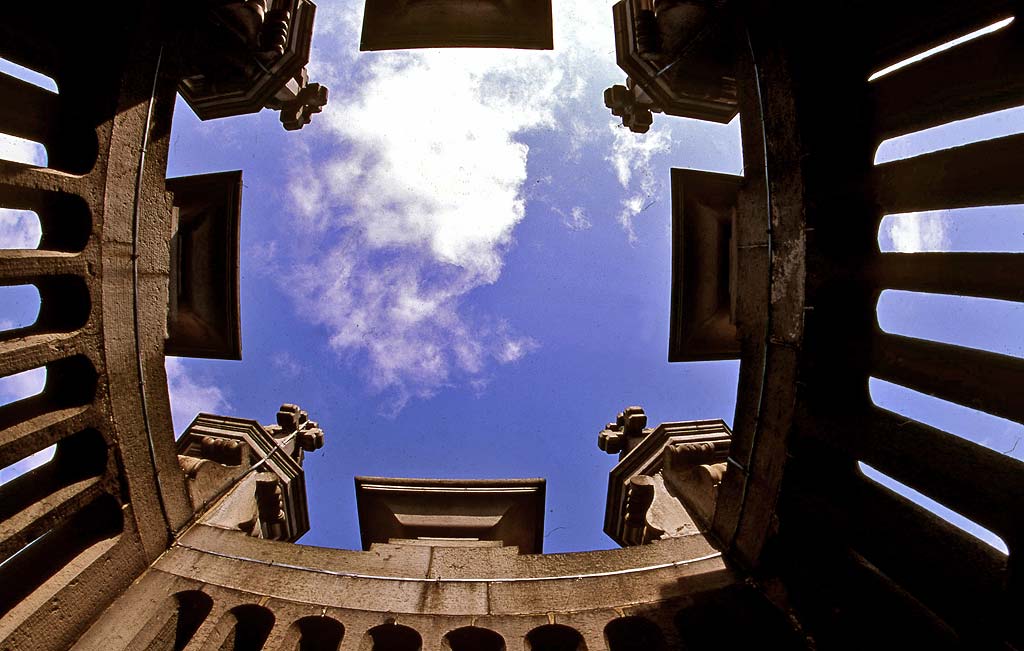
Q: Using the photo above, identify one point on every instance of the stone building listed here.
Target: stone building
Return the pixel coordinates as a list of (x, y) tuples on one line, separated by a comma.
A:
[(766, 535)]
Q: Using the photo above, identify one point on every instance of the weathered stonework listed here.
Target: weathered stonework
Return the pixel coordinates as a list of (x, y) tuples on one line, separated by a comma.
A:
[(455, 512), (260, 466), (679, 56), (666, 482), (118, 543), (244, 55)]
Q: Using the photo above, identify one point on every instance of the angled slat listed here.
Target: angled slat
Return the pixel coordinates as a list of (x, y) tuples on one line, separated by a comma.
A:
[(27, 353), (938, 464), (41, 516), (896, 31), (20, 266), (921, 552), (27, 111), (983, 173), (974, 378), (18, 179), (985, 275), (975, 78), (39, 432)]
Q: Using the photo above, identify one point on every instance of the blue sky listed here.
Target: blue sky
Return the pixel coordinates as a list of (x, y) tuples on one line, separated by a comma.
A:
[(461, 269)]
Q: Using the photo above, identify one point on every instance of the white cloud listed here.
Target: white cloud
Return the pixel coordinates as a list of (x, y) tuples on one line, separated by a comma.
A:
[(189, 395), (419, 185), (577, 219), (916, 232), (285, 364), (631, 156), (515, 349)]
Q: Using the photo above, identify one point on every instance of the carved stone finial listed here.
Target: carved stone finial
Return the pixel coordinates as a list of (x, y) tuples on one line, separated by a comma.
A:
[(310, 437), (293, 420), (632, 105), (297, 113), (633, 420), (629, 424), (611, 439), (289, 418)]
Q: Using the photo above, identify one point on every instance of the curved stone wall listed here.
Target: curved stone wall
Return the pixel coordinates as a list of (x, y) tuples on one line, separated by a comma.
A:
[(78, 534), (76, 531), (443, 595)]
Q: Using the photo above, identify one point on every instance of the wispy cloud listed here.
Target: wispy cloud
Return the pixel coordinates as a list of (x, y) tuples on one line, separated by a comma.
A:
[(190, 395), (915, 232), (285, 364), (577, 219), (631, 156), (418, 188)]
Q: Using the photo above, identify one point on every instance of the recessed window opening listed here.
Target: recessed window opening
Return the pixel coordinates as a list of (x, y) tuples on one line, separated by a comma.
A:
[(925, 502), (633, 634), (473, 638), (554, 637), (995, 433), (19, 306), (22, 385), (251, 630), (319, 634), (193, 608), (391, 637), (27, 465), (948, 45), (994, 229), (997, 124), (982, 323), (20, 150), (19, 229), (27, 75)]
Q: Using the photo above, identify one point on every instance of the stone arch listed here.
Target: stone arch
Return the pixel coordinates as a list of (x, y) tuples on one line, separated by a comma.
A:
[(633, 633), (391, 637), (473, 638), (318, 633), (249, 629), (174, 624), (555, 637)]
